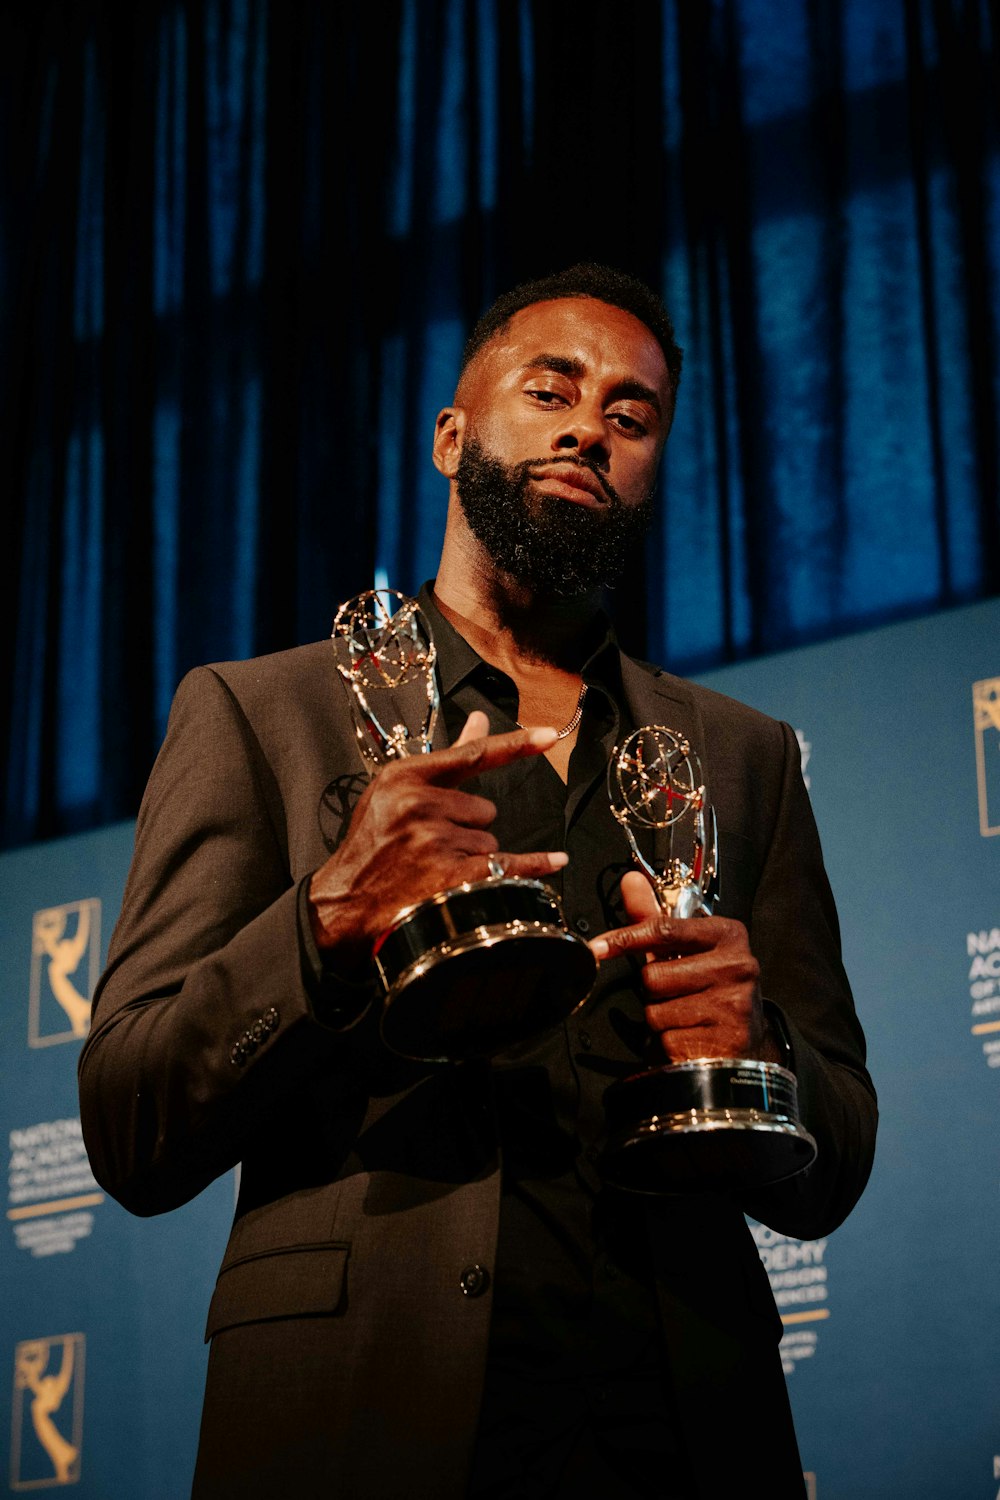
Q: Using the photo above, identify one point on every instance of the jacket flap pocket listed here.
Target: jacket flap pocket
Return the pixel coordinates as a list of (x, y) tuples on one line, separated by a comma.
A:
[(302, 1281)]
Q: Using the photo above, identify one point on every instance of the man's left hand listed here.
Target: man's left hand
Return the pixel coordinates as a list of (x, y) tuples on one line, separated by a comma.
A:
[(701, 980)]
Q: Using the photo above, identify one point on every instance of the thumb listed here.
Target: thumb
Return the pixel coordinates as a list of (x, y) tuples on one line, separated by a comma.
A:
[(476, 727), (638, 897)]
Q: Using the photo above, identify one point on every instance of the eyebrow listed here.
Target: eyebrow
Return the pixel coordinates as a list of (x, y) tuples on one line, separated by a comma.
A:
[(634, 390), (560, 364)]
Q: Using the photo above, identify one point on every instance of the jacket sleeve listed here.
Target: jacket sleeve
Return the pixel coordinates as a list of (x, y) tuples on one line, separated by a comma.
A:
[(214, 1004), (795, 935)]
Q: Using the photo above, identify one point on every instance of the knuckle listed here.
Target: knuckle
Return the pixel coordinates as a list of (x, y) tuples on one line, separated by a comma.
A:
[(404, 795), (478, 809), (424, 836), (734, 933), (390, 774), (743, 971)]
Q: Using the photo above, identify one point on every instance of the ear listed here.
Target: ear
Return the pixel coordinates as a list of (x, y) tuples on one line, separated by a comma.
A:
[(449, 432)]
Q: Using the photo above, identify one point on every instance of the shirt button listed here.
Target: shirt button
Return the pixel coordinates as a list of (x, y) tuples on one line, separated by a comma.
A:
[(582, 925), (474, 1280), (585, 1041)]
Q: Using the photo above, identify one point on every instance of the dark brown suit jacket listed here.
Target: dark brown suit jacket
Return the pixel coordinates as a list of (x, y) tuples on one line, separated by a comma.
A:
[(347, 1358)]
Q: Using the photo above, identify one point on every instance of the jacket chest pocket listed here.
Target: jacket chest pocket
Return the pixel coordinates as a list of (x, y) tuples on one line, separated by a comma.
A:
[(302, 1281)]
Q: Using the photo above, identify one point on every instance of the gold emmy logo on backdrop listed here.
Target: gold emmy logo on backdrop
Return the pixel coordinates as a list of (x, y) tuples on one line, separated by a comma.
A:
[(48, 1384), (986, 718), (62, 937)]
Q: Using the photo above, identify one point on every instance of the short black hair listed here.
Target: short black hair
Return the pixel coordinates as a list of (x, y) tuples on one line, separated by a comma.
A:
[(604, 284)]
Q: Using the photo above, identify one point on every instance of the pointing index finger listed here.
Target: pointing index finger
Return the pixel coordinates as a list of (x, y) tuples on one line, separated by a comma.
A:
[(682, 934), (469, 757)]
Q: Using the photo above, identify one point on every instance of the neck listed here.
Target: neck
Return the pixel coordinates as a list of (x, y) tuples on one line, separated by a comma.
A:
[(504, 620)]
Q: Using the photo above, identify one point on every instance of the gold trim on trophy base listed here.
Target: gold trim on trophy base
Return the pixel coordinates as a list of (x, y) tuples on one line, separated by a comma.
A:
[(479, 968), (722, 1124)]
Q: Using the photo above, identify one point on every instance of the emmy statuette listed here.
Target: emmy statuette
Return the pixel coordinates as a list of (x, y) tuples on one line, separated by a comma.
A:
[(477, 968), (726, 1124)]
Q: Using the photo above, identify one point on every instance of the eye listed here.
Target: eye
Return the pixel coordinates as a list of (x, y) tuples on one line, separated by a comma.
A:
[(544, 397), (628, 424)]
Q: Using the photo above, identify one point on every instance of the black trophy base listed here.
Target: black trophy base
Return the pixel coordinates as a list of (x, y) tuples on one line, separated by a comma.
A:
[(728, 1125), (475, 970)]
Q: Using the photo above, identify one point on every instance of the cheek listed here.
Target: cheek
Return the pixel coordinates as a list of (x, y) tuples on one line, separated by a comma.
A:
[(636, 476), (503, 436)]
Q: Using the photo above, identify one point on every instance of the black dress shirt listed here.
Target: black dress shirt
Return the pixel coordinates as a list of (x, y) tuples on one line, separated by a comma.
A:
[(574, 1308)]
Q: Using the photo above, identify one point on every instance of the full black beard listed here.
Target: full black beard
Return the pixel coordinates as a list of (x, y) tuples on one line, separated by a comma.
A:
[(545, 543)]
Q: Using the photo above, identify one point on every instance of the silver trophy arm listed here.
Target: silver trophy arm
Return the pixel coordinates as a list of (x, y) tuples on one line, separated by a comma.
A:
[(433, 706), (390, 675), (710, 884), (379, 743)]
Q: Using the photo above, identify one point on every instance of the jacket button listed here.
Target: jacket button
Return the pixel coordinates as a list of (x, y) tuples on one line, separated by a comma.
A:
[(474, 1280), (258, 1031), (582, 925), (237, 1056), (271, 1018)]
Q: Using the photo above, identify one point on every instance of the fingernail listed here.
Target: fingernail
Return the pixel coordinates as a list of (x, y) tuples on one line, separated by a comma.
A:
[(557, 861), (599, 948), (543, 738)]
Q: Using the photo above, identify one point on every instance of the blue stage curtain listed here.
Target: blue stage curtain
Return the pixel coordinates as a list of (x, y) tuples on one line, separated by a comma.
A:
[(241, 244)]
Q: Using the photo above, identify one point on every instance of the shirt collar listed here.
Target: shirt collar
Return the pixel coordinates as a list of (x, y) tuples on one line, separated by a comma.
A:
[(457, 660)]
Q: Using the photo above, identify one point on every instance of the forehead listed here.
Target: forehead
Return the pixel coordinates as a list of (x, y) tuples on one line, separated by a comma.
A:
[(608, 341)]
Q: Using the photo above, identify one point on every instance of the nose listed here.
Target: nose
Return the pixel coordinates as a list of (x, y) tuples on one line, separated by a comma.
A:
[(584, 433)]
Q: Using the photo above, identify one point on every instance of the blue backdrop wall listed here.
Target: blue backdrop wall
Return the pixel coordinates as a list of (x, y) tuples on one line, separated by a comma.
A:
[(892, 1326)]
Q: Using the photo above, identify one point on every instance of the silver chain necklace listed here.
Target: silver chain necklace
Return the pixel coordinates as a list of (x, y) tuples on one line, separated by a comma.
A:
[(565, 732)]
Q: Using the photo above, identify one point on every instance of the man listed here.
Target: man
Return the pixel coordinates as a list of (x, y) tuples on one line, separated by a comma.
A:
[(428, 1290)]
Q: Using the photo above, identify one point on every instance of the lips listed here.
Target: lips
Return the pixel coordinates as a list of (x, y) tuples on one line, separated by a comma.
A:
[(571, 482)]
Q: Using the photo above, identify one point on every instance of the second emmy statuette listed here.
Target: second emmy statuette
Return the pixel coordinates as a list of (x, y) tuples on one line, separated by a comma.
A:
[(722, 1123), (476, 968)]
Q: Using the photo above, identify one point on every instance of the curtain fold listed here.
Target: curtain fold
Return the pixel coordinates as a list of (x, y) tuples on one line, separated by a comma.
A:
[(242, 244)]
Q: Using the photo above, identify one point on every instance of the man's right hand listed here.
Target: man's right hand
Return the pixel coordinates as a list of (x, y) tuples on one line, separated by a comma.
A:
[(414, 833)]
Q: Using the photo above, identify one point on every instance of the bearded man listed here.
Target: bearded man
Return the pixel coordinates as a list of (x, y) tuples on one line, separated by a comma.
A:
[(429, 1290)]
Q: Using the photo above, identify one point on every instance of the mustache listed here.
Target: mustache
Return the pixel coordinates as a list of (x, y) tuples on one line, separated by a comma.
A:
[(523, 471)]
